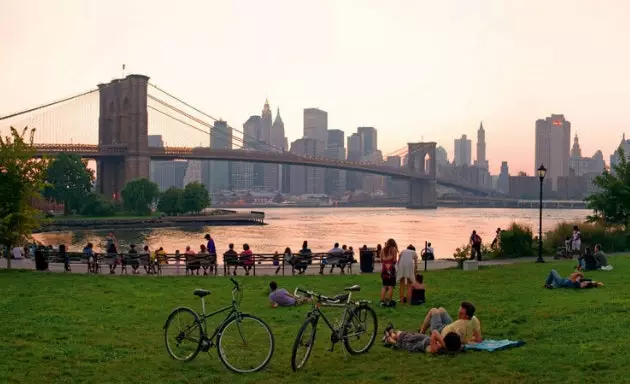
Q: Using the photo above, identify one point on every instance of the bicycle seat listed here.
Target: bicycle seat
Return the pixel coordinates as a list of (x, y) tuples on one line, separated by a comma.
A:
[(354, 288), (201, 292), (342, 297)]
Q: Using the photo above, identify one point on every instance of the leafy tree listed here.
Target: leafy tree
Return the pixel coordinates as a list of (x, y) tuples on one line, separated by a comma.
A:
[(138, 195), (278, 198), (171, 201), (21, 180), (611, 204), (195, 198), (96, 205), (69, 181)]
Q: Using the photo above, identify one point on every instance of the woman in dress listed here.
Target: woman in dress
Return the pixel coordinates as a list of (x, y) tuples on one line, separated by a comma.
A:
[(388, 272), (406, 272)]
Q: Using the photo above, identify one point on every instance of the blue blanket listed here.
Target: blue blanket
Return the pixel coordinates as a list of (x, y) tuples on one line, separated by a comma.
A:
[(493, 345)]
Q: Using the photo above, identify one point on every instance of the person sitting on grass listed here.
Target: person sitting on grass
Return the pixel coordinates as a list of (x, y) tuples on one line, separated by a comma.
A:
[(601, 259), (418, 291), (282, 298), (575, 280), (419, 342), (467, 325)]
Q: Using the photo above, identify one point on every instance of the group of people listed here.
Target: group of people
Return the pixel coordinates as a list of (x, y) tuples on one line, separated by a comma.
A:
[(400, 267)]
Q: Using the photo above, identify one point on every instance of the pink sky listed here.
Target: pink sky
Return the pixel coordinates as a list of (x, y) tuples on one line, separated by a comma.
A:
[(413, 69)]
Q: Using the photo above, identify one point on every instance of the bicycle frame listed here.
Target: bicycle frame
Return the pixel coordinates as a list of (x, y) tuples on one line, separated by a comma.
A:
[(315, 311), (234, 312)]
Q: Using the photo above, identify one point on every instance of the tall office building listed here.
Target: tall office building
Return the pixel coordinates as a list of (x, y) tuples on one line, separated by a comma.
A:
[(219, 173), (369, 138), (614, 158), (441, 156), (463, 154), (503, 184), (271, 172), (306, 179), (553, 146), (252, 140), (354, 180), (316, 125), (481, 161), (166, 174), (335, 178)]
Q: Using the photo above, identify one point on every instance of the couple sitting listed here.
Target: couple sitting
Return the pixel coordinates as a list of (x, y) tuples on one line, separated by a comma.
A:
[(594, 261), (446, 334)]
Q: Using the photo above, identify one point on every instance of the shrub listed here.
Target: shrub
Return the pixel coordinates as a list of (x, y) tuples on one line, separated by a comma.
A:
[(461, 254), (516, 241), (96, 205), (612, 239)]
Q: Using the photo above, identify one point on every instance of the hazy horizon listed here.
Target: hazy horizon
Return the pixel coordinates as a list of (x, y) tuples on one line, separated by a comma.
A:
[(412, 69)]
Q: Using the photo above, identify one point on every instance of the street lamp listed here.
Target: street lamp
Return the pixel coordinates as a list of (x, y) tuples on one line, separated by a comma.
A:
[(542, 171)]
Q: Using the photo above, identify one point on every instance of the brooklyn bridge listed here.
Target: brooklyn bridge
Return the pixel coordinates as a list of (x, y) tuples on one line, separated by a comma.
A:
[(127, 110)]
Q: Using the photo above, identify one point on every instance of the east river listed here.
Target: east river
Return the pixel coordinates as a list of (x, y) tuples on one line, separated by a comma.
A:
[(445, 228)]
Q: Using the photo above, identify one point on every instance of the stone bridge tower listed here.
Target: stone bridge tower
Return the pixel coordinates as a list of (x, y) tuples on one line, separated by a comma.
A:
[(123, 122), (421, 159)]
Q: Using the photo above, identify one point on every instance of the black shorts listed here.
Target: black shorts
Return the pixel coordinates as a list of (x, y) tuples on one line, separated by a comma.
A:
[(389, 281)]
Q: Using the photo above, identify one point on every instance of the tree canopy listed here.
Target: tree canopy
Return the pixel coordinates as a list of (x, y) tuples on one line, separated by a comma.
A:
[(171, 201), (138, 195), (195, 198), (95, 204), (21, 180), (69, 181), (611, 204)]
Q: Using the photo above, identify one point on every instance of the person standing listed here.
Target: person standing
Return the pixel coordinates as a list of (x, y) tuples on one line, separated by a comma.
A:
[(388, 272), (212, 253), (576, 241), (407, 262), (475, 245)]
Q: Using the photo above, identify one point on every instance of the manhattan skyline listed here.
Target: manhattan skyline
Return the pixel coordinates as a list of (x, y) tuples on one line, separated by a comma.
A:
[(412, 69)]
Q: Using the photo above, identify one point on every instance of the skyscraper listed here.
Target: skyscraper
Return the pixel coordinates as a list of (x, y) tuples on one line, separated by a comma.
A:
[(278, 141), (354, 180), (335, 179), (463, 154), (316, 125), (306, 179), (614, 158), (220, 172), (503, 184), (553, 145), (369, 138), (251, 137), (481, 161), (270, 172)]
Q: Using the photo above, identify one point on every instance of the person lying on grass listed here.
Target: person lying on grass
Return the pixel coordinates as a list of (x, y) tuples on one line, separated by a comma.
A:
[(467, 325), (282, 298), (575, 280), (419, 342)]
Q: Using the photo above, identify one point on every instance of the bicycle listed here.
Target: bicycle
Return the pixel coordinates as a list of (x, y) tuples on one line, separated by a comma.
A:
[(352, 324), (194, 329)]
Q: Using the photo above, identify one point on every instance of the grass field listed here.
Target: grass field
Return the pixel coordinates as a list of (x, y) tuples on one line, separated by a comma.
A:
[(101, 329)]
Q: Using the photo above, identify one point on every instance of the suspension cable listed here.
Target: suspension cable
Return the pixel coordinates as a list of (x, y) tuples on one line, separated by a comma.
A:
[(47, 105)]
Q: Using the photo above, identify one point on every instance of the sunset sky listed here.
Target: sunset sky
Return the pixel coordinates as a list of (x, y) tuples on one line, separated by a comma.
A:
[(416, 70)]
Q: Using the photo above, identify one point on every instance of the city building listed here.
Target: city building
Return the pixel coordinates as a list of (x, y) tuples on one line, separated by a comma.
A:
[(373, 184), (278, 141), (336, 138), (252, 130), (369, 140), (528, 187), (441, 156), (306, 179), (481, 161), (166, 174), (335, 183), (395, 187), (354, 180), (219, 173), (463, 155), (194, 172), (580, 166), (316, 125), (614, 158), (503, 182), (553, 145)]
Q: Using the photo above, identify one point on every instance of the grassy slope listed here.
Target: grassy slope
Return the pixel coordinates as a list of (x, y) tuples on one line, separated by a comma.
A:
[(75, 328)]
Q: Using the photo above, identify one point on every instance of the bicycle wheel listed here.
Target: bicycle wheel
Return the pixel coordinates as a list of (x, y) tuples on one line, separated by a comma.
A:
[(245, 344), (305, 338), (360, 327), (182, 334)]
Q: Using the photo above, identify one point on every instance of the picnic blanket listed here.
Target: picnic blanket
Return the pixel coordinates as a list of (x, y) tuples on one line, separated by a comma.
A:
[(493, 345)]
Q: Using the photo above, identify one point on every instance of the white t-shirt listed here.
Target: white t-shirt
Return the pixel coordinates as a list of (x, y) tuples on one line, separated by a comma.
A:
[(407, 257), (18, 253)]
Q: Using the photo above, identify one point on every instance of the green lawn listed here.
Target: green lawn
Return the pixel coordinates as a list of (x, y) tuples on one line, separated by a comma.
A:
[(75, 328)]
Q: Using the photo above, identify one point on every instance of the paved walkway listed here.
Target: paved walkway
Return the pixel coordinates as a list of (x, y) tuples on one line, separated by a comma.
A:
[(266, 270)]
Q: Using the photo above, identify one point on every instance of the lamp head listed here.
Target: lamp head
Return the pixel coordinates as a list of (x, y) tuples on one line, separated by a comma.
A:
[(542, 171)]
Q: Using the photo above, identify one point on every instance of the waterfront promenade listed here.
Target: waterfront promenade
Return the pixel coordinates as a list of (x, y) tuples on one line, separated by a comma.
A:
[(265, 270)]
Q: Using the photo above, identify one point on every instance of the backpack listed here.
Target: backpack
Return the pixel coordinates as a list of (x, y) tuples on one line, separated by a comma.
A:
[(476, 239)]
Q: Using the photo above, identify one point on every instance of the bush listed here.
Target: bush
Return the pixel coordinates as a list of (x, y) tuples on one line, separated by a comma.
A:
[(612, 239), (97, 205), (516, 241)]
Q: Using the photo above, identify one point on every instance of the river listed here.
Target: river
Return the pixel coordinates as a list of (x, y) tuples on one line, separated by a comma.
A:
[(445, 228)]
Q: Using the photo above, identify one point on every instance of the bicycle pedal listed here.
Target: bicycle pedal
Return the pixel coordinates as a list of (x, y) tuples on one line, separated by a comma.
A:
[(205, 346)]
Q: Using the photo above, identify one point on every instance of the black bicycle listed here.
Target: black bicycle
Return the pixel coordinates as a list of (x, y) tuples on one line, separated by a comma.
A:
[(244, 342), (354, 325)]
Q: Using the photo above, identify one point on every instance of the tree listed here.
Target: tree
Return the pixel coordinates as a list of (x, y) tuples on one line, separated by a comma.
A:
[(21, 180), (171, 201), (69, 181), (195, 198), (278, 199), (138, 195), (611, 204), (96, 205)]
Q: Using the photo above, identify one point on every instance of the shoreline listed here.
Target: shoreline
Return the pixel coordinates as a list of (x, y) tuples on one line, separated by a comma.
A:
[(233, 219)]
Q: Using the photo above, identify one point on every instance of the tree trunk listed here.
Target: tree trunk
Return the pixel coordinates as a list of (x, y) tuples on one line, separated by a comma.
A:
[(66, 208), (9, 249)]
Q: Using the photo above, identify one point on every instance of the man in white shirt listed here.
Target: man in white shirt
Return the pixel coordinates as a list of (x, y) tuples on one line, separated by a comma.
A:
[(333, 257), (18, 253)]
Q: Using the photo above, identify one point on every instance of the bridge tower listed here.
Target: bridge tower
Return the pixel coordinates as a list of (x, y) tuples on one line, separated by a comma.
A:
[(123, 123), (421, 159)]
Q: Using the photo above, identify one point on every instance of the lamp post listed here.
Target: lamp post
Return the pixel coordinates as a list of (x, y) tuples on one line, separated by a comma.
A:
[(542, 171)]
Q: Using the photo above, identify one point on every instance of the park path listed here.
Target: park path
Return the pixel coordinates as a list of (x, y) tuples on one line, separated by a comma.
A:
[(266, 270)]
